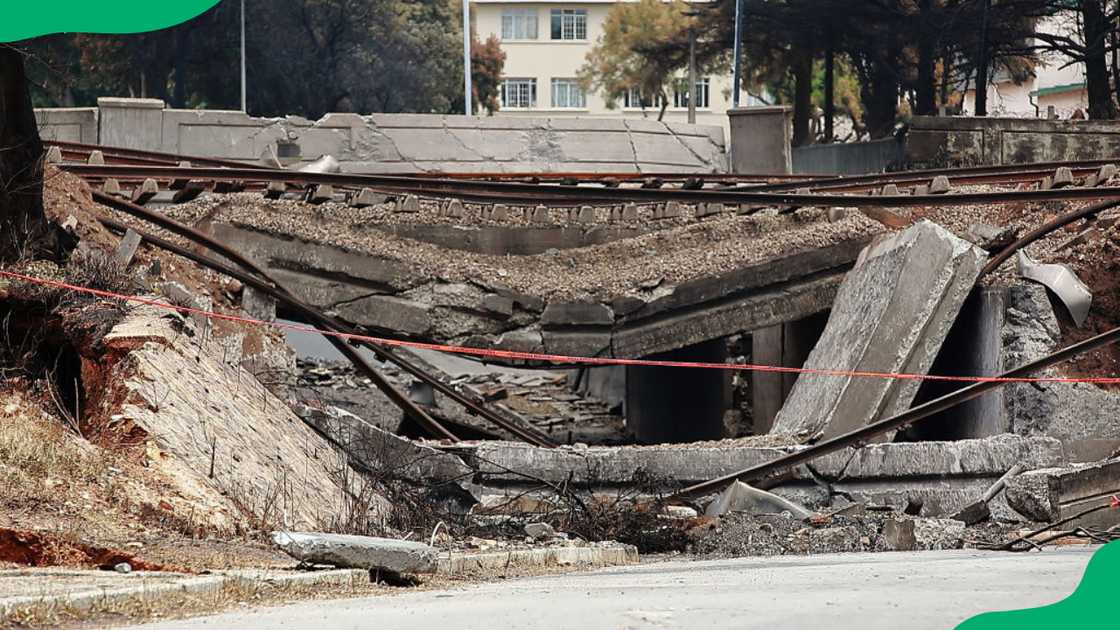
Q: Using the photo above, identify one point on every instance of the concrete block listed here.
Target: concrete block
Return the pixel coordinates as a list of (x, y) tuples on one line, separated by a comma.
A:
[(54, 155), (672, 210), (890, 190), (410, 203), (921, 190), (1063, 177), (541, 215), (1105, 173), (358, 552), (112, 187), (500, 211), (939, 185), (96, 158), (127, 248), (577, 314), (586, 215), (276, 190), (321, 194), (629, 213), (1051, 494), (454, 209), (144, 193), (365, 198), (891, 314)]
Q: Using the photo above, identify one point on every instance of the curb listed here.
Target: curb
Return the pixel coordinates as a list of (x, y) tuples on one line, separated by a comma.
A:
[(586, 557), (153, 585)]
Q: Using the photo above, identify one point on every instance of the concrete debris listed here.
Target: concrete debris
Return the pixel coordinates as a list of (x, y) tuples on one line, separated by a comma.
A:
[(359, 552), (1052, 494), (979, 511), (127, 248), (922, 534), (540, 531), (1063, 177), (991, 238), (54, 155), (740, 497), (409, 204), (122, 567), (1063, 282), (325, 164), (96, 158), (883, 320), (939, 186)]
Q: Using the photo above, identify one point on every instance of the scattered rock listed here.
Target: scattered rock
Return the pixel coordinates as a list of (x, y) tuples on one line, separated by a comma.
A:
[(358, 552)]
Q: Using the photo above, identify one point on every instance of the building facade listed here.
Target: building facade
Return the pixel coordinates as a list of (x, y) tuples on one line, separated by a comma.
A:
[(546, 43)]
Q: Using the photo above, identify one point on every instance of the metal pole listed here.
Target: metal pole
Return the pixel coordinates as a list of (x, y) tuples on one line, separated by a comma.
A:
[(692, 91), (738, 53), (244, 98), (467, 100)]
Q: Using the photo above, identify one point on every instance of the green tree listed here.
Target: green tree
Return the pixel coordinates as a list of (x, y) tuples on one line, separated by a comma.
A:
[(487, 62), (642, 46)]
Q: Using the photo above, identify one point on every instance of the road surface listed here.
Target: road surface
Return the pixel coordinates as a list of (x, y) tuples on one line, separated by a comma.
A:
[(839, 592)]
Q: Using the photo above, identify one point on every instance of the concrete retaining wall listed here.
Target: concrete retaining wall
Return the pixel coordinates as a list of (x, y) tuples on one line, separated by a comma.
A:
[(68, 124), (936, 140), (380, 143), (853, 158)]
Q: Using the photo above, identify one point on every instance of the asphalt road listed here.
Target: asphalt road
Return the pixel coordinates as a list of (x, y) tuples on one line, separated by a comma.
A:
[(838, 592)]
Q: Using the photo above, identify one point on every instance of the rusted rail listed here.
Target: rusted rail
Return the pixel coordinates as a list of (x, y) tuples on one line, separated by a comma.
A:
[(916, 414), (264, 283), (515, 192), (138, 156)]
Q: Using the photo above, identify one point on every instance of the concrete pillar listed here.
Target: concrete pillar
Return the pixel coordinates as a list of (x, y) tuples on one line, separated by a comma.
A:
[(974, 346), (784, 345), (131, 123), (674, 405), (760, 139)]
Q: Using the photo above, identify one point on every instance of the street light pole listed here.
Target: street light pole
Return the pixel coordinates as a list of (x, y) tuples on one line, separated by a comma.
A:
[(467, 100), (692, 91), (244, 98), (738, 52)]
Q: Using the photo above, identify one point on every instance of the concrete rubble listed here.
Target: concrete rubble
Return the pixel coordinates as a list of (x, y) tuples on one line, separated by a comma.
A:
[(359, 552), (1052, 494), (891, 315)]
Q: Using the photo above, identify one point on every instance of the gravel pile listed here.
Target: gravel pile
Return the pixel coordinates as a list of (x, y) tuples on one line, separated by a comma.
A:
[(665, 257)]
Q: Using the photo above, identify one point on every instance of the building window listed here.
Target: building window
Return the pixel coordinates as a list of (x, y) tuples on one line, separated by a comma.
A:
[(519, 93), (569, 24), (568, 93), (703, 92), (519, 24), (633, 99)]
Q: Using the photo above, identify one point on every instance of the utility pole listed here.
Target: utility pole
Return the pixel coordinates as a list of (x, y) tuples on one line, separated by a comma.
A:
[(738, 52), (244, 97), (981, 100), (467, 99), (692, 91)]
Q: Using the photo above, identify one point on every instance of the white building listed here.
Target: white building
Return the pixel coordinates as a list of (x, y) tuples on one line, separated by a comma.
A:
[(1054, 84), (546, 43)]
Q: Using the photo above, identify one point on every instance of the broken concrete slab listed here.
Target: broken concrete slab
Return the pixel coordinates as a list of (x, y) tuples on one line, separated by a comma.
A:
[(126, 250), (891, 315), (359, 552), (382, 452), (1052, 494), (1063, 282), (922, 534), (740, 497)]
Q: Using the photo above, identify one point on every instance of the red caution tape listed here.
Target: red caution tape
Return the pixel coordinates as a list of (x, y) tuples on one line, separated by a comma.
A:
[(551, 358), (1114, 503)]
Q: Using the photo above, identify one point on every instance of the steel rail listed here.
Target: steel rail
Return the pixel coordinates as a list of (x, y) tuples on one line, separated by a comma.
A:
[(863, 435), (277, 291), (925, 175), (1044, 230), (139, 154), (512, 191)]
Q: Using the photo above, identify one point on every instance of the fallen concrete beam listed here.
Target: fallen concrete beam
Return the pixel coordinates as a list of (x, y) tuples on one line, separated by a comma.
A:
[(891, 315), (358, 552), (1053, 494)]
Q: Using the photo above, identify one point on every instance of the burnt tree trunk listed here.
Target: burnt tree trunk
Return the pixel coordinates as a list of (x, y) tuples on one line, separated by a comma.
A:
[(24, 231), (927, 89), (1096, 63), (802, 97)]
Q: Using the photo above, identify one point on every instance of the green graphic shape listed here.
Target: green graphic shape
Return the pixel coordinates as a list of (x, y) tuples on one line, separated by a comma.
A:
[(24, 19), (1092, 605)]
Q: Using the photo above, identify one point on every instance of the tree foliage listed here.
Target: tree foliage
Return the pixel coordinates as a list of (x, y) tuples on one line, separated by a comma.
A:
[(487, 62), (642, 46)]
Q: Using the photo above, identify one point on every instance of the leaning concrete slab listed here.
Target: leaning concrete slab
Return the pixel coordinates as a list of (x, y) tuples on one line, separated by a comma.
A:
[(891, 314), (358, 552)]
